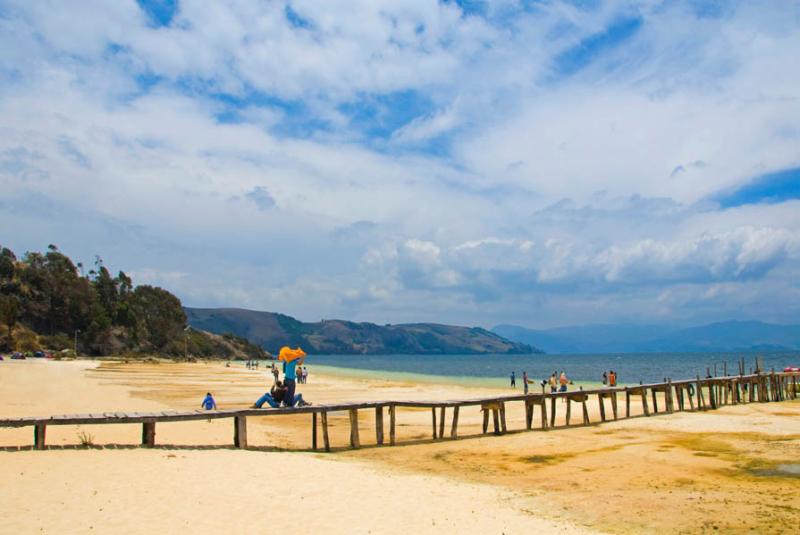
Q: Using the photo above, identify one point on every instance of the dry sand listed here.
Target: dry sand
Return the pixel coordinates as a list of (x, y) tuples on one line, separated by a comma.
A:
[(687, 472)]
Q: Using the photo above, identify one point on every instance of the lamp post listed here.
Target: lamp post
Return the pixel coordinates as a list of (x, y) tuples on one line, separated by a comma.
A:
[(186, 342), (76, 341)]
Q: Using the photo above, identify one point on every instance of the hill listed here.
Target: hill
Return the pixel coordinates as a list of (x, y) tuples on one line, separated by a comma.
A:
[(47, 303), (272, 330), (612, 338)]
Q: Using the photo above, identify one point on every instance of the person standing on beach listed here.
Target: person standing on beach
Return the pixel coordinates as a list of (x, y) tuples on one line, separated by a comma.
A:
[(553, 383), (612, 378), (563, 381), (513, 380), (605, 378), (305, 375), (291, 359), (525, 381), (208, 402)]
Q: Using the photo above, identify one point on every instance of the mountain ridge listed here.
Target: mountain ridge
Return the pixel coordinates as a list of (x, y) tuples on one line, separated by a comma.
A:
[(732, 335), (271, 330)]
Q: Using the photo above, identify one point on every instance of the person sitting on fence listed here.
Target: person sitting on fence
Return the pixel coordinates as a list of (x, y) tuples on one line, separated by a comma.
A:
[(272, 398), (276, 396), (208, 402)]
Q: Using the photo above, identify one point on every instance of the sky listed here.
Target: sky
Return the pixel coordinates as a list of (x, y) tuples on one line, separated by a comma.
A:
[(541, 163)]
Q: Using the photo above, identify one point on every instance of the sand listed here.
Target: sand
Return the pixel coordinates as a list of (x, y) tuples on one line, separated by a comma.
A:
[(688, 472)]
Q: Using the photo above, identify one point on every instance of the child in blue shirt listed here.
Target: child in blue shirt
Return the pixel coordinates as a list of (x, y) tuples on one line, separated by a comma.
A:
[(208, 402)]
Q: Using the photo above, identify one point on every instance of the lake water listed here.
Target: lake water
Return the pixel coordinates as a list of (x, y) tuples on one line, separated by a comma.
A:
[(631, 368)]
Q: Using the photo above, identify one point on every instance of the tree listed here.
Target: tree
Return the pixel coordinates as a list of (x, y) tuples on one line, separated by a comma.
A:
[(159, 315), (9, 314)]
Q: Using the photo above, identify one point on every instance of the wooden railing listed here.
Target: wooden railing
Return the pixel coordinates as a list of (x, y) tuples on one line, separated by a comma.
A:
[(708, 393)]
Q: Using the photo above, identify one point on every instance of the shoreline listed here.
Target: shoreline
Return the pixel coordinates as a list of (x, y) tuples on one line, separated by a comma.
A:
[(719, 468)]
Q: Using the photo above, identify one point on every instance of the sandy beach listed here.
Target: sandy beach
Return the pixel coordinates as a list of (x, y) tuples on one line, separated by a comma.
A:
[(733, 469)]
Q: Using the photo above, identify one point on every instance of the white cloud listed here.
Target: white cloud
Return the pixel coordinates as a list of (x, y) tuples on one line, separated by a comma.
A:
[(502, 190)]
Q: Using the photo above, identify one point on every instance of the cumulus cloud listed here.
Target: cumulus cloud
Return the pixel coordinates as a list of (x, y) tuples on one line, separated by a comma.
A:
[(407, 161)]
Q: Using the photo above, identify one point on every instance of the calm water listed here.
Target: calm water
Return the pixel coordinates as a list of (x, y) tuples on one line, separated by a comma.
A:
[(630, 367)]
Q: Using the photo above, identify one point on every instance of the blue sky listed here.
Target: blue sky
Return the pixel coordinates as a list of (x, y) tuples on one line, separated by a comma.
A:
[(542, 163)]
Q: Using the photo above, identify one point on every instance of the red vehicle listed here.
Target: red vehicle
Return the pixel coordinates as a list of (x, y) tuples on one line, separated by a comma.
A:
[(791, 369)]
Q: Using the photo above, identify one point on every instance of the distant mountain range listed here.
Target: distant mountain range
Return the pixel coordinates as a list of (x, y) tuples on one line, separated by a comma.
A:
[(271, 331), (613, 338)]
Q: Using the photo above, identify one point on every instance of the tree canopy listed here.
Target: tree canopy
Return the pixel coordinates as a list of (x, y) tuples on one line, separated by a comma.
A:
[(47, 293)]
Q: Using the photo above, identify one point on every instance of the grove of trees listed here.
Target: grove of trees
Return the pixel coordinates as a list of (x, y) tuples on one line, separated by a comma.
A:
[(46, 300)]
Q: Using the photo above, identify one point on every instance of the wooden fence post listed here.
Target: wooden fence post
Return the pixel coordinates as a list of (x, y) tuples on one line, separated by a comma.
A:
[(149, 434), (602, 407), (240, 431), (355, 442), (379, 425), (441, 422), (433, 419), (614, 403), (324, 420), (39, 433), (313, 430), (543, 409), (392, 411), (454, 429)]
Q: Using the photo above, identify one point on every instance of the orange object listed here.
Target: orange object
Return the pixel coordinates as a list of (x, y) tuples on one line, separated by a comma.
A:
[(287, 354)]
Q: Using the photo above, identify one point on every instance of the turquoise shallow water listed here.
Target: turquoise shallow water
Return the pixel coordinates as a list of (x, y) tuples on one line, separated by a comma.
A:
[(494, 370)]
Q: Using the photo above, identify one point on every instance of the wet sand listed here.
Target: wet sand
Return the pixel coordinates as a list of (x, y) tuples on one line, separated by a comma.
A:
[(728, 470)]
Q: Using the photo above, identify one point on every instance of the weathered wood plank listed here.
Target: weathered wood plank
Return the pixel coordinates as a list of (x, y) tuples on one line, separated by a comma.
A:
[(441, 421), (454, 428)]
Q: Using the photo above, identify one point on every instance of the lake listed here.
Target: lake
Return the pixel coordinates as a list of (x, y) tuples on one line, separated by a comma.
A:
[(585, 368)]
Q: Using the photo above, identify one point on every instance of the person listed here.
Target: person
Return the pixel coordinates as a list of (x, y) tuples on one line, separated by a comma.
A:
[(513, 380), (553, 383), (612, 378), (525, 381), (563, 381), (291, 359), (305, 375), (605, 378), (208, 402), (275, 372)]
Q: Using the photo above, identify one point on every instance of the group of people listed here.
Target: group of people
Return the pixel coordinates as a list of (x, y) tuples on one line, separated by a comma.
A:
[(610, 378), (558, 382), (278, 396), (282, 393)]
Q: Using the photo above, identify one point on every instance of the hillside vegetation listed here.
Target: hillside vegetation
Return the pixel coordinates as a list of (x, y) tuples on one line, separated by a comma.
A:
[(272, 330), (47, 303)]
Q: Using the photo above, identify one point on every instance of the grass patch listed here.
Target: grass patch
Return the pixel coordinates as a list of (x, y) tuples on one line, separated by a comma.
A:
[(86, 439)]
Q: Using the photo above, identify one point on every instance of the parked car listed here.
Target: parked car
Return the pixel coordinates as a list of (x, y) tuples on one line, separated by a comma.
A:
[(18, 356)]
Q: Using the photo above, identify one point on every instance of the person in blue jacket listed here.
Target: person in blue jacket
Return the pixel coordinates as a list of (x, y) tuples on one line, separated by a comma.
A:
[(208, 402)]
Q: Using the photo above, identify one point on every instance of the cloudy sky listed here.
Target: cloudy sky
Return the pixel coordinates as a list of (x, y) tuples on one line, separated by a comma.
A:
[(542, 163)]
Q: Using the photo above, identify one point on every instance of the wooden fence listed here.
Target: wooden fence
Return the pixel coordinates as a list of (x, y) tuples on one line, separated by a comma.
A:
[(701, 394)]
